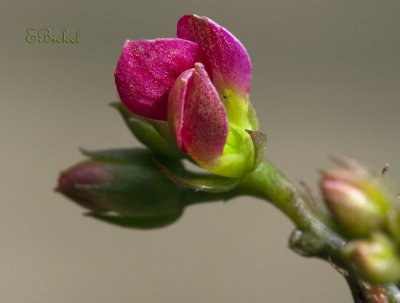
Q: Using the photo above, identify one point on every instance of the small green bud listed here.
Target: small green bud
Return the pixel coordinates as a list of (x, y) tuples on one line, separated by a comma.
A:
[(126, 183), (357, 197), (376, 260)]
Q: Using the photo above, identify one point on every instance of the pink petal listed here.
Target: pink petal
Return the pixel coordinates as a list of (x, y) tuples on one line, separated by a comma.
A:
[(176, 103), (147, 69), (198, 116), (229, 61)]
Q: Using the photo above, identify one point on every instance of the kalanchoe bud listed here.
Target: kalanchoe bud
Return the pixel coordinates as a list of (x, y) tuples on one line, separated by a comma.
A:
[(125, 184), (376, 259), (357, 197), (72, 183), (199, 83)]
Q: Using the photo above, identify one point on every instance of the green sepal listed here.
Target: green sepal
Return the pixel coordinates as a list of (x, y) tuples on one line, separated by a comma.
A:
[(252, 117), (134, 156), (137, 222), (154, 134), (259, 142), (117, 154), (200, 182)]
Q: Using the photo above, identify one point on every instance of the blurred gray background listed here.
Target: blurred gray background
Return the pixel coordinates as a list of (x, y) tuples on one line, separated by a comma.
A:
[(326, 79)]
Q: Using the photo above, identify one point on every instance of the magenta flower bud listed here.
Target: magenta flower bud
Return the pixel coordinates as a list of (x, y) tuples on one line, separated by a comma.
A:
[(199, 83), (72, 183), (357, 197)]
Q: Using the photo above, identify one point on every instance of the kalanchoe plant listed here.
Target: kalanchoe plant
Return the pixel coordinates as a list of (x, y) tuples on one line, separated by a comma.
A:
[(187, 98)]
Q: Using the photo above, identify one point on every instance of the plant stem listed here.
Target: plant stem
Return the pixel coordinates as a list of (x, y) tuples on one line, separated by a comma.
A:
[(312, 237), (268, 183)]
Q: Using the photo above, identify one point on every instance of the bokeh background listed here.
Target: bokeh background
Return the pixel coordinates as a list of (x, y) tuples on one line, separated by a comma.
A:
[(326, 79)]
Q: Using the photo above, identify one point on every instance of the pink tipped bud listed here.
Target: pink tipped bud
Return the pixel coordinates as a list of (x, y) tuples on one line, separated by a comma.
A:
[(376, 259), (72, 183), (357, 197), (126, 186), (351, 206)]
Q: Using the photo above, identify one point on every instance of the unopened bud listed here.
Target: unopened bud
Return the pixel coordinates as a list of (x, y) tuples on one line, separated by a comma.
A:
[(124, 182), (358, 199), (73, 181), (376, 260)]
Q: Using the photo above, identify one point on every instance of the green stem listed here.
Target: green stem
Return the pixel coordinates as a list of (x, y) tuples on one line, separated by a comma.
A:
[(268, 183), (313, 237)]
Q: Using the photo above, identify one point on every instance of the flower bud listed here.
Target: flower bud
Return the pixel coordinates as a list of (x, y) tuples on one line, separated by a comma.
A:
[(376, 259), (199, 85), (358, 198), (73, 181), (126, 183)]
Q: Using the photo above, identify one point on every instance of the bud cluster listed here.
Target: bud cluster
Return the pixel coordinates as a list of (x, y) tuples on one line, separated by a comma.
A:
[(366, 212)]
